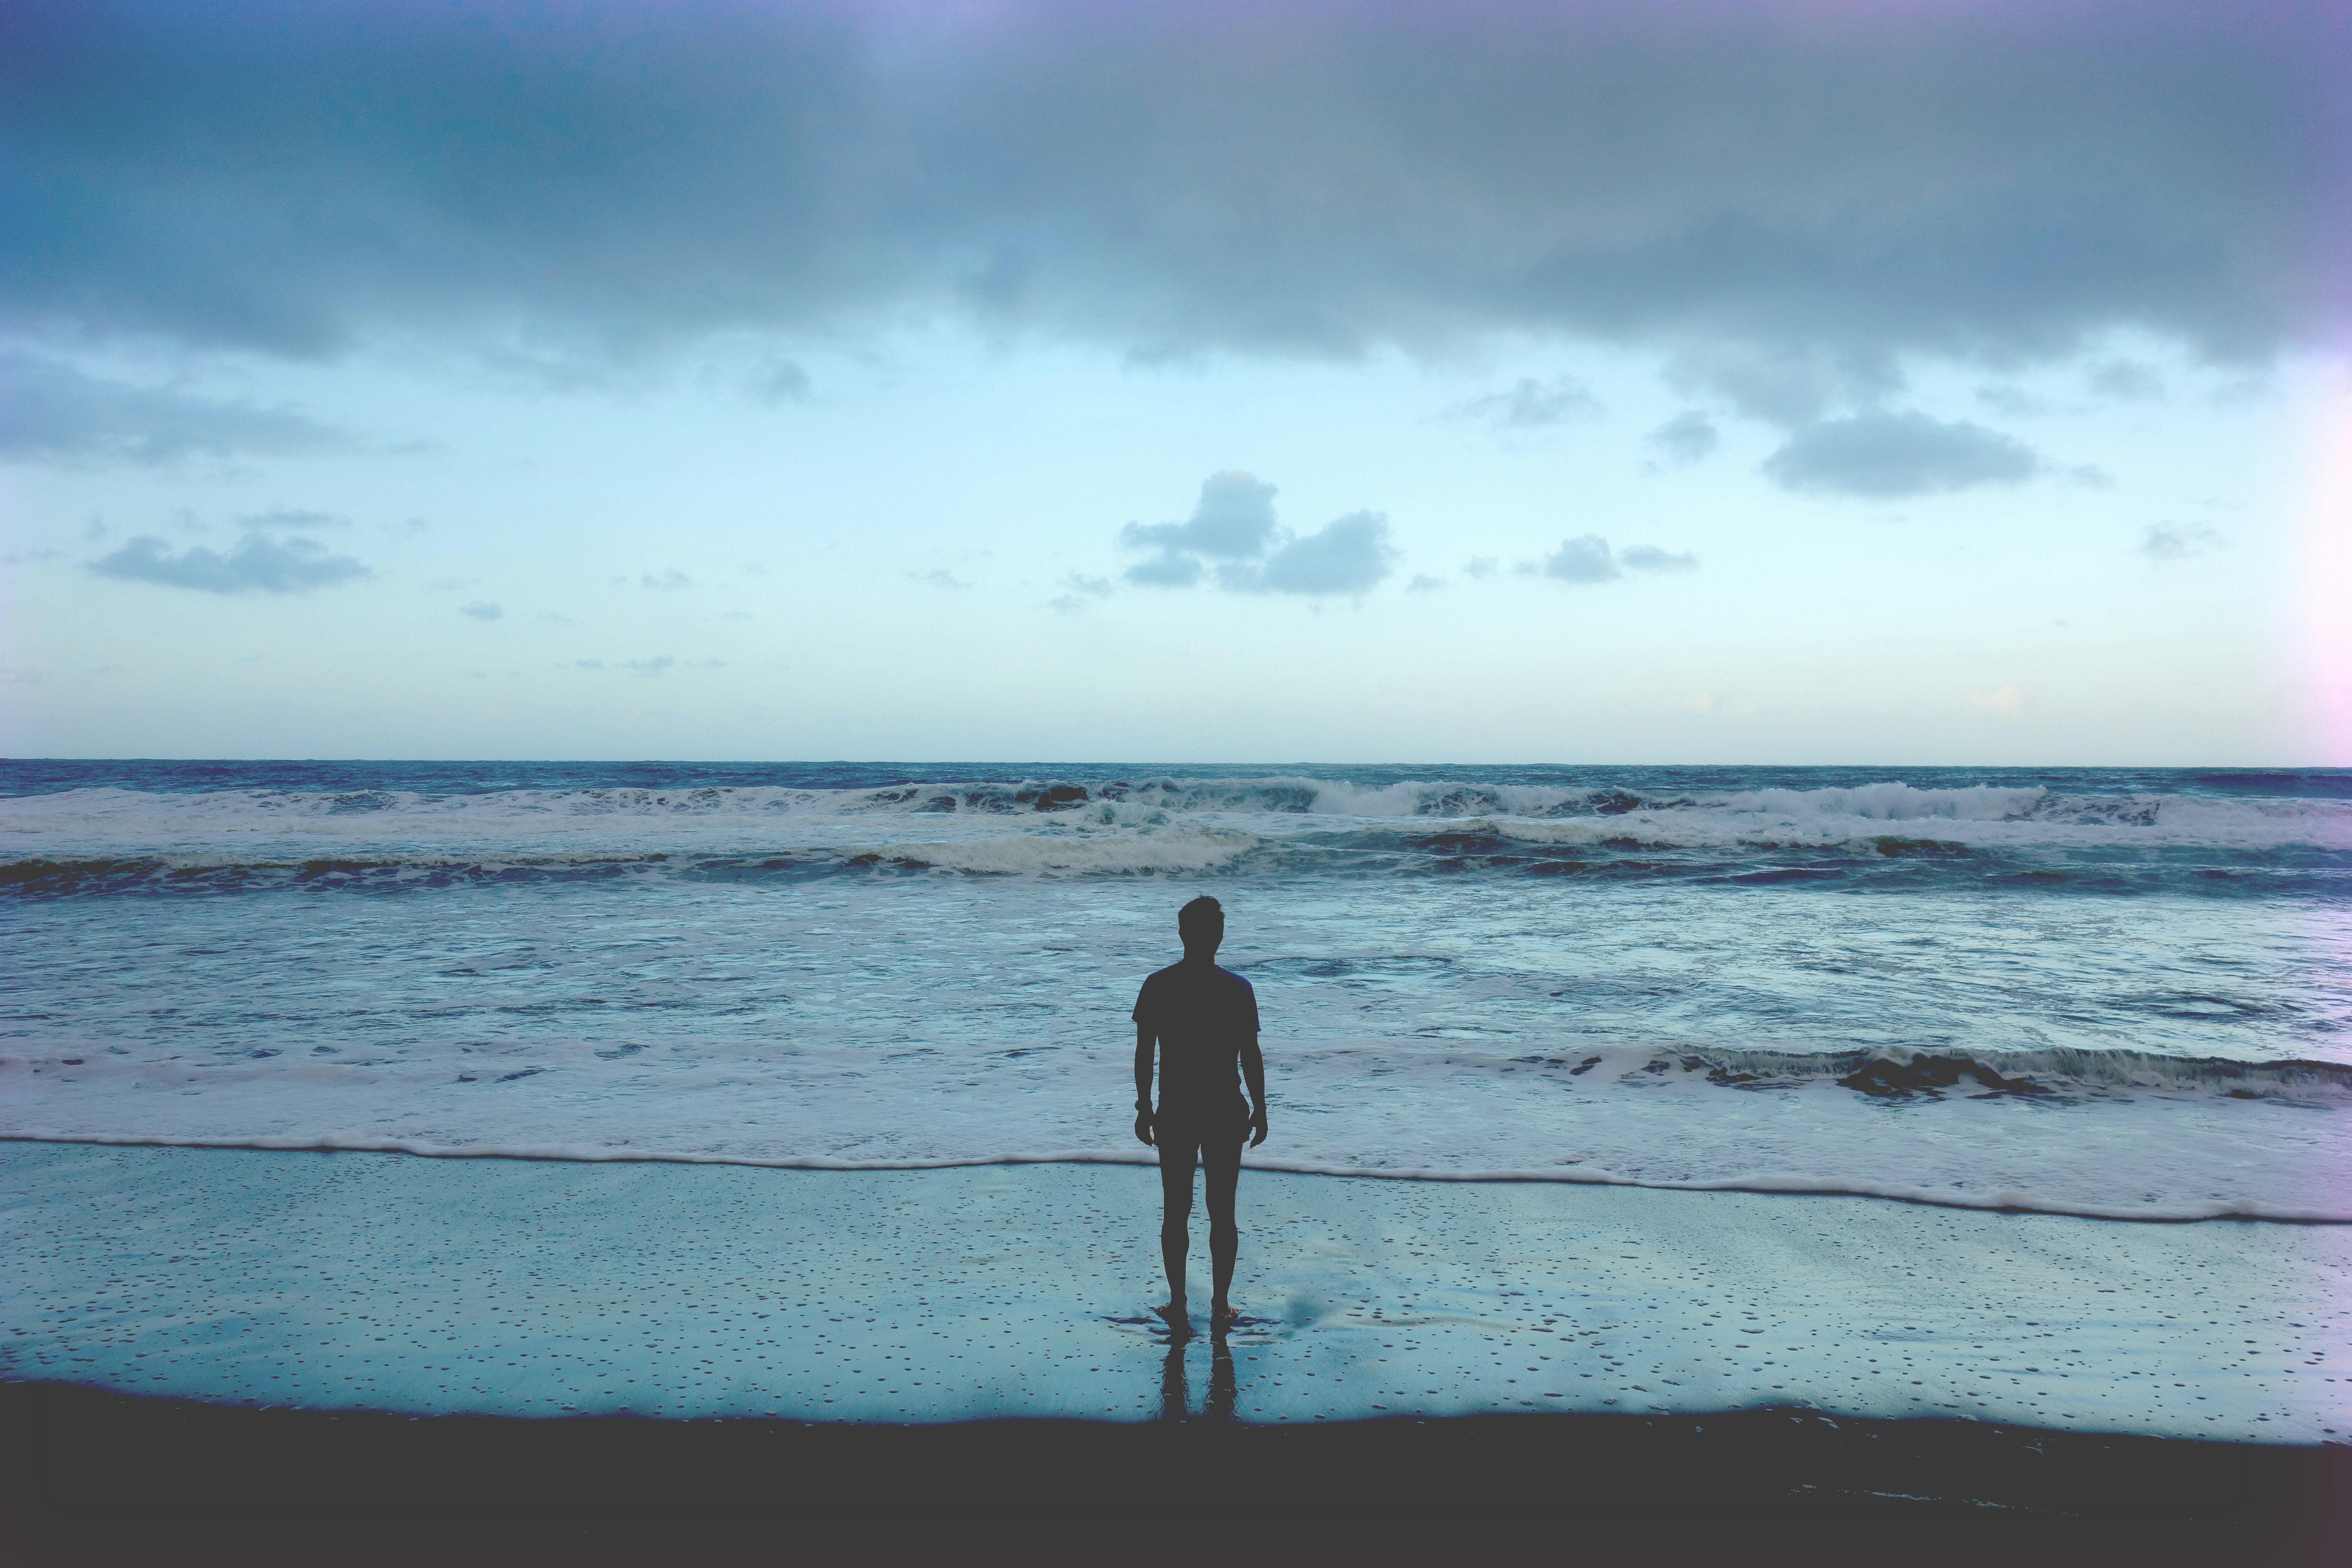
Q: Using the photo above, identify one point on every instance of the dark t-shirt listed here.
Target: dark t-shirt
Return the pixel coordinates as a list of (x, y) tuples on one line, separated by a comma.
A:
[(1203, 1016)]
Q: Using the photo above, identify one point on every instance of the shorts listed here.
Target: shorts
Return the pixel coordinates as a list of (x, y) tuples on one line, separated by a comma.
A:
[(1213, 1136)]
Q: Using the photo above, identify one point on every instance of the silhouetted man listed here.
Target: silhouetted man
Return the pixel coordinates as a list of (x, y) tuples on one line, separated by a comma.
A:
[(1204, 1020)]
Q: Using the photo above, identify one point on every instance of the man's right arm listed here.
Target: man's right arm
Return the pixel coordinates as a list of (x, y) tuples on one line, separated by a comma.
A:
[(1254, 1074), (1143, 1042)]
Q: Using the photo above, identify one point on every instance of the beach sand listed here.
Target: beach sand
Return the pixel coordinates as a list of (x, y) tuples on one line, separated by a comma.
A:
[(85, 1475), (1647, 1348), (514, 1288)]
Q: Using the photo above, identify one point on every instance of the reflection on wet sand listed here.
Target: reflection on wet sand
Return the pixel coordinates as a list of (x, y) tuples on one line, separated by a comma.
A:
[(1175, 1389)]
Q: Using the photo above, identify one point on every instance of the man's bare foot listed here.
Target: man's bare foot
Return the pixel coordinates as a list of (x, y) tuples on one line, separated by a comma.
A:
[(1177, 1316), (1222, 1316)]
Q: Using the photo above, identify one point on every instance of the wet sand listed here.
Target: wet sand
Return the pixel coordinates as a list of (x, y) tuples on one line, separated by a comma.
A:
[(252, 1349), (350, 1282)]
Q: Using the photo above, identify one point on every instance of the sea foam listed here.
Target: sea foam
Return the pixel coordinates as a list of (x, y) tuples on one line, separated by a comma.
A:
[(2103, 1136)]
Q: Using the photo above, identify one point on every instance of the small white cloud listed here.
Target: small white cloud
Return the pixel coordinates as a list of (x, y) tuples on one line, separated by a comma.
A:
[(2004, 699), (1347, 555), (1532, 404), (1688, 438), (941, 579), (1422, 582), (1233, 521), (482, 610), (1233, 525), (1882, 455), (258, 562), (2177, 541), (279, 519), (1481, 566), (1167, 570), (1078, 592), (666, 581), (1584, 559)]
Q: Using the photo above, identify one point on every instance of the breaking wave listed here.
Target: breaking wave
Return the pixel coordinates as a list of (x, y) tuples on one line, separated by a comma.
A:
[(111, 839)]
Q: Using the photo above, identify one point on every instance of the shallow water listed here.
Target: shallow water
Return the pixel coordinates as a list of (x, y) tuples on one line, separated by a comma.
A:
[(2132, 983), (356, 1281)]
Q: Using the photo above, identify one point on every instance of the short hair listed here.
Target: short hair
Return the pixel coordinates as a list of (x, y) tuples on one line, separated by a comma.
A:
[(1203, 916)]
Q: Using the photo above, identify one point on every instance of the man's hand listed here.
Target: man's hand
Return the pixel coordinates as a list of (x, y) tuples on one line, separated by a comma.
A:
[(1144, 1123), (1257, 1127)]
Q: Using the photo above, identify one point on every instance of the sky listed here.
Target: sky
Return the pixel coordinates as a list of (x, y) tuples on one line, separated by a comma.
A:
[(1939, 383)]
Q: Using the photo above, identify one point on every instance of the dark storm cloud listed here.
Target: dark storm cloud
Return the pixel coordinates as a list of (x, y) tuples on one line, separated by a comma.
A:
[(1846, 182), (52, 413), (257, 563), (1887, 455)]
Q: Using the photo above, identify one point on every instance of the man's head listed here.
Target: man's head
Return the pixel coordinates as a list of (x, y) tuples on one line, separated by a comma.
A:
[(1202, 925)]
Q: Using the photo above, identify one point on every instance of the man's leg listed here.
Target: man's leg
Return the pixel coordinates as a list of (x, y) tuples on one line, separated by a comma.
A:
[(1178, 1151), (1221, 1165)]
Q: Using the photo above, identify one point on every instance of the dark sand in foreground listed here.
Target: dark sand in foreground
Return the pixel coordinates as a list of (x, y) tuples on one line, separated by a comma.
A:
[(93, 1474)]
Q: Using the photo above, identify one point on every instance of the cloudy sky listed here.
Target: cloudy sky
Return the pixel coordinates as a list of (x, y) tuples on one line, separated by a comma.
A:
[(1948, 381)]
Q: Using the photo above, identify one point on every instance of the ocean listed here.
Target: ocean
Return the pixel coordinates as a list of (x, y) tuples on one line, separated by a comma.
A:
[(2092, 992)]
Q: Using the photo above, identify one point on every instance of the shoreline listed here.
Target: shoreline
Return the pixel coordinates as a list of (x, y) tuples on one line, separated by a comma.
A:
[(90, 1473), (2003, 1203)]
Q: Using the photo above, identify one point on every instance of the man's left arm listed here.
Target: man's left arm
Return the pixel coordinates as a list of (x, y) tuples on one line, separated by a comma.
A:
[(1254, 1074)]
